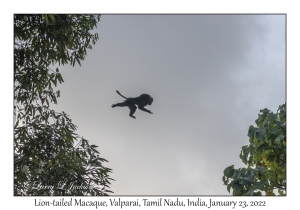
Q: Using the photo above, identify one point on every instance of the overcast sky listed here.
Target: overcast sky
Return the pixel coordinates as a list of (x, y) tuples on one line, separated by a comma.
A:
[(209, 76)]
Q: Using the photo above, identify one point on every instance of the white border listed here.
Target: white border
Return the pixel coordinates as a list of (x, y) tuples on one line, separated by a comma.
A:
[(150, 7)]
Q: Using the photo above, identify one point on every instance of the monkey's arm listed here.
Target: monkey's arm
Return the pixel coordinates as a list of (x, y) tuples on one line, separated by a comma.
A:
[(145, 110)]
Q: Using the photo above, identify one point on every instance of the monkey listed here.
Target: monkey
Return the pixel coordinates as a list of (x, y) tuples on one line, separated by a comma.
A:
[(141, 101)]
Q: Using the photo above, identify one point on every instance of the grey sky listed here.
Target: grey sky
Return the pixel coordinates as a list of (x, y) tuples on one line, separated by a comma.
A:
[(209, 76)]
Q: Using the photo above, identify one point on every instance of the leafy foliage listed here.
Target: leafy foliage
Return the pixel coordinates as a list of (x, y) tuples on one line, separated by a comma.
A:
[(265, 157), (48, 153)]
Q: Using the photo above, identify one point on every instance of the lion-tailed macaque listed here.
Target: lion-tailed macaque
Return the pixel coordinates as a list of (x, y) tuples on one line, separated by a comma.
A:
[(141, 101)]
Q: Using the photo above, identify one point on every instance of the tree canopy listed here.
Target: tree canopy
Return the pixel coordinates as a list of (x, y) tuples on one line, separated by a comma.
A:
[(49, 157), (265, 156)]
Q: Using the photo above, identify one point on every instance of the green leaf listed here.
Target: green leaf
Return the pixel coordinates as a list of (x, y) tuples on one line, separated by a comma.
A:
[(260, 135), (250, 192), (78, 61), (261, 170), (250, 177), (261, 148), (272, 117), (229, 171), (271, 157), (51, 17), (24, 169), (33, 112), (237, 187), (27, 119), (228, 188), (16, 125), (278, 139), (260, 184), (46, 18), (245, 151), (243, 182), (251, 132), (223, 179)]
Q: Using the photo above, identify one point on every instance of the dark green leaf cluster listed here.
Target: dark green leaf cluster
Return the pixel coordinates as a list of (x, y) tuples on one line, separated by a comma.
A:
[(265, 156), (48, 152), (41, 40)]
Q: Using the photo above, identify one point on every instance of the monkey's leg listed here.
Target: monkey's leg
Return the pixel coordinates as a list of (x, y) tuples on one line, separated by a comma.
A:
[(132, 108), (119, 104)]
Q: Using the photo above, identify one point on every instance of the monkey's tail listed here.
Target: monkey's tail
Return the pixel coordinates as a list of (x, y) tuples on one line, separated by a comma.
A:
[(121, 94)]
